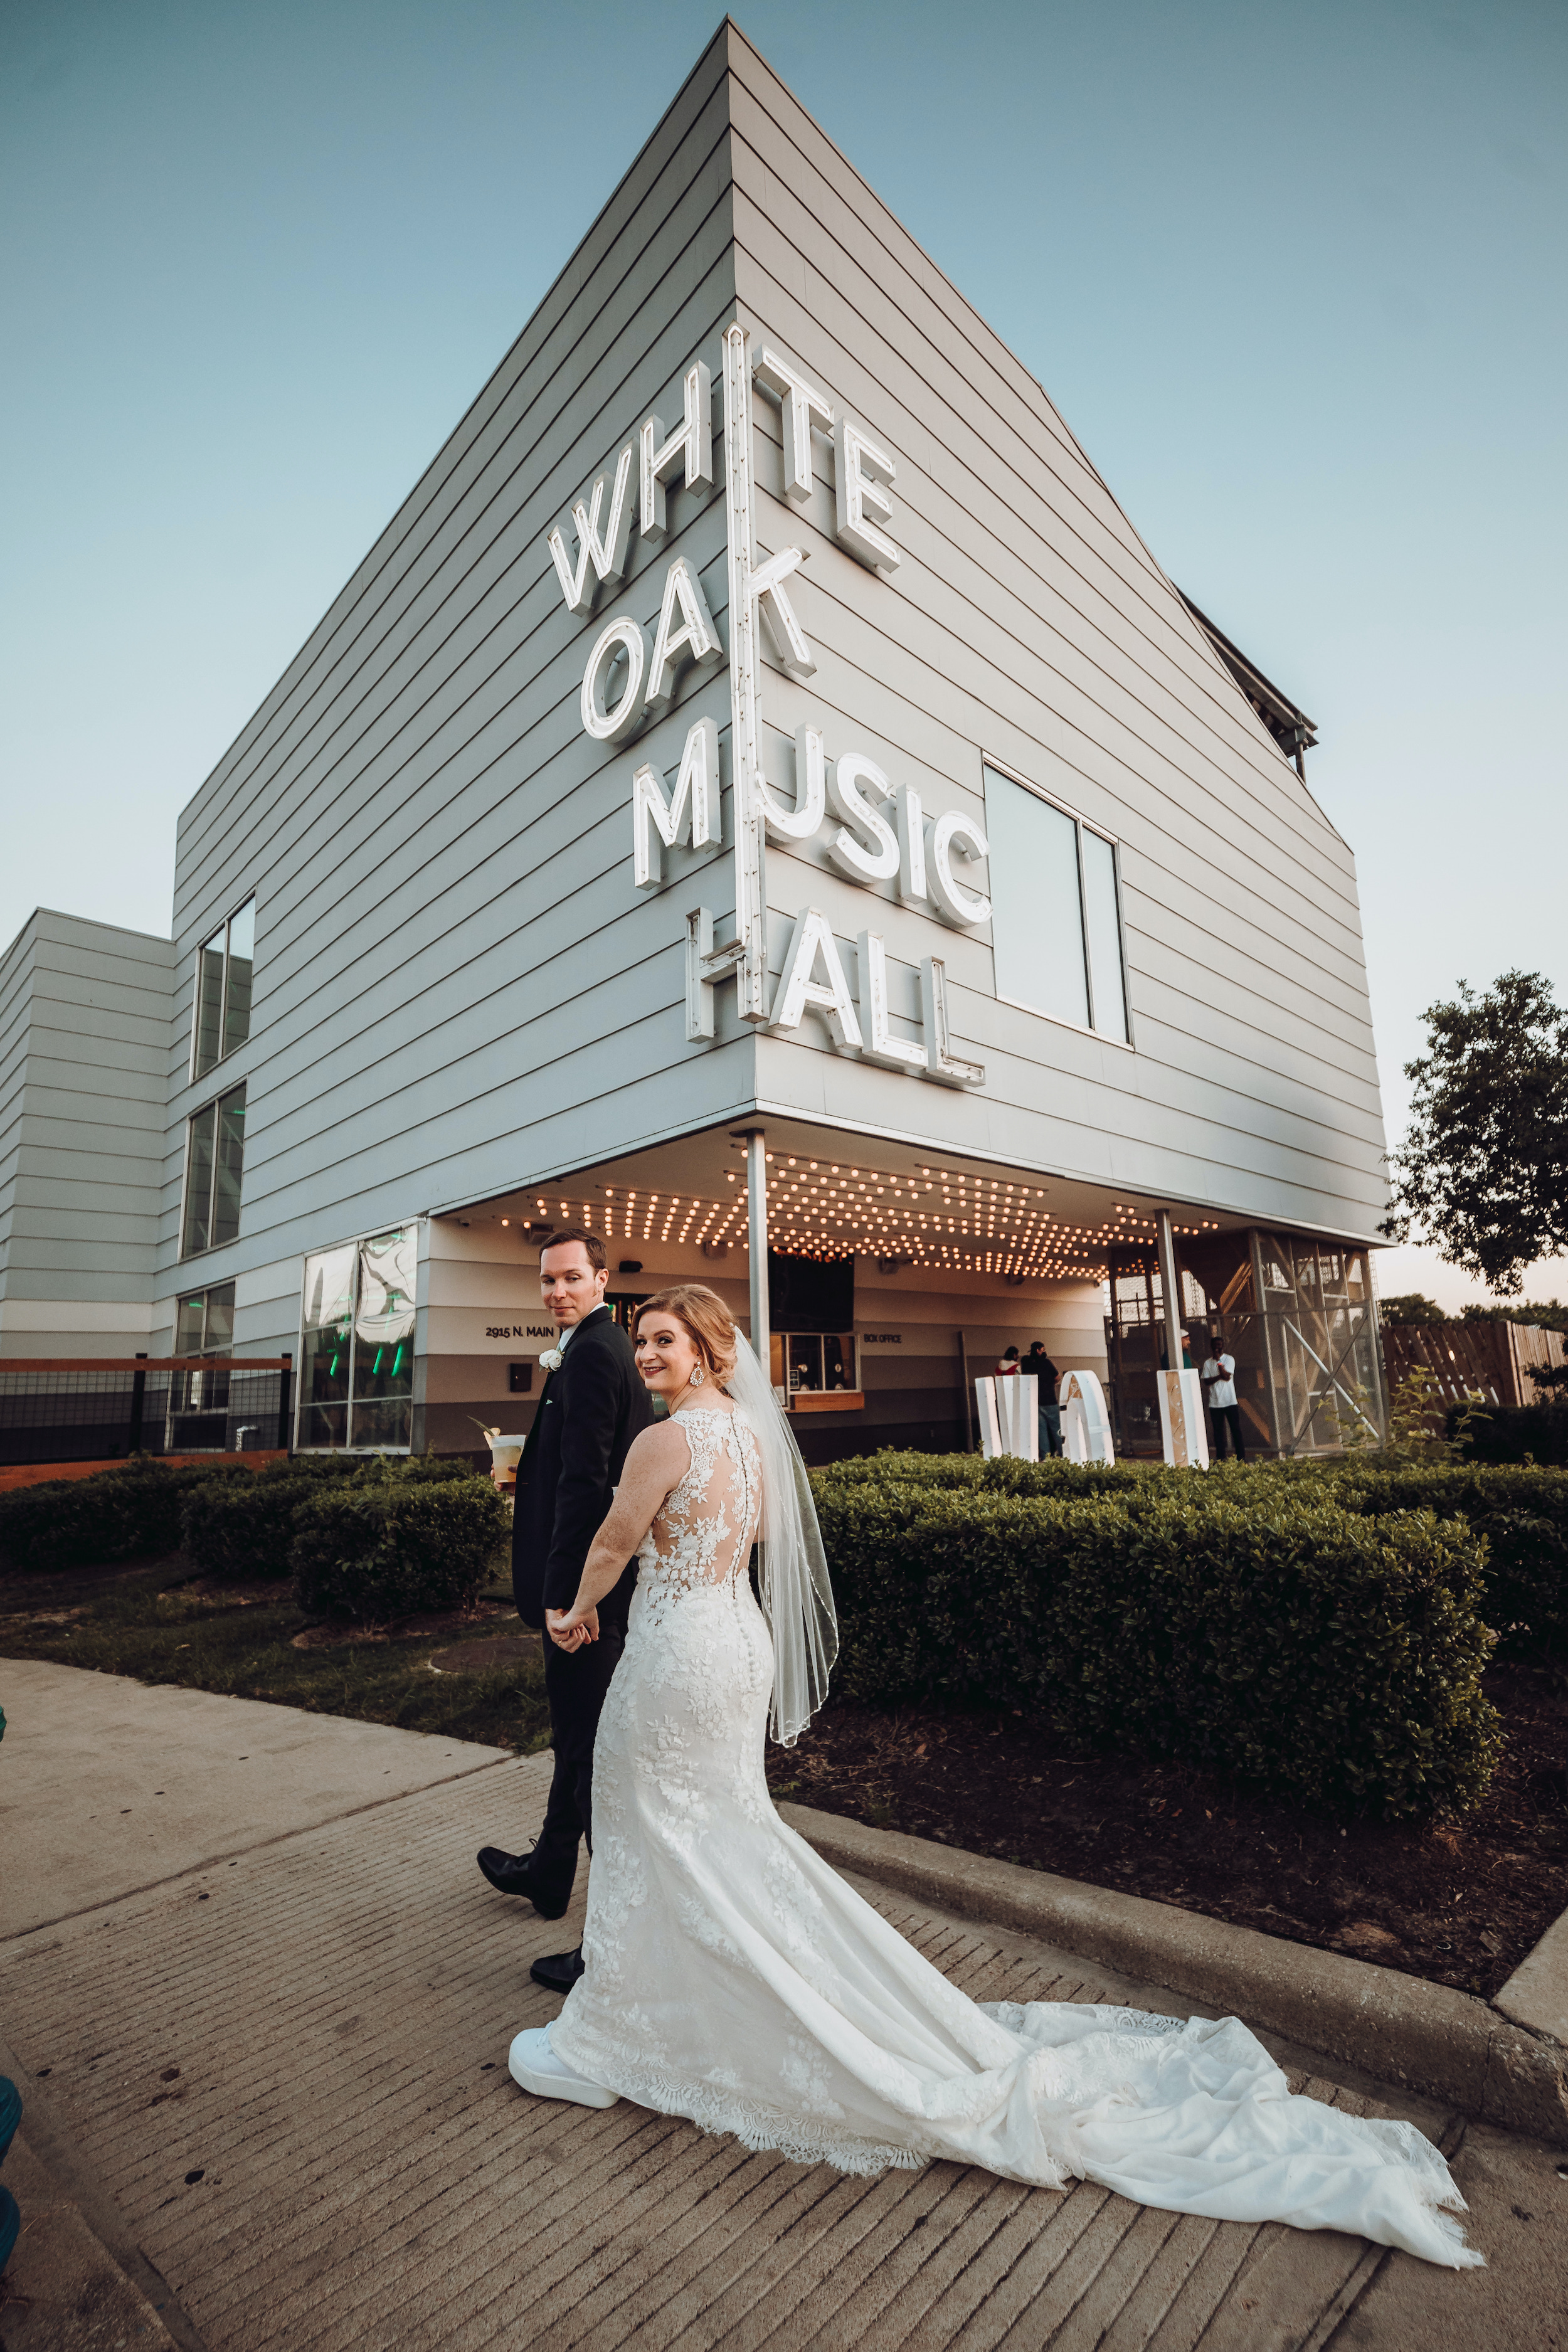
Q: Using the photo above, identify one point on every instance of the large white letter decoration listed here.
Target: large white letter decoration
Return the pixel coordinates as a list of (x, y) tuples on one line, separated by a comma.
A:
[(859, 467), (879, 861), (802, 407), (879, 1044), (801, 822), (911, 826), (941, 1063), (693, 809), (1086, 1423), (954, 903), (787, 637), (693, 441), (605, 722), (608, 555), (685, 633), (797, 988)]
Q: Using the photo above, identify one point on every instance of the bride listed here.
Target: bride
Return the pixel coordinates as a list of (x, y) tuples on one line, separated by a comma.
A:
[(732, 1978)]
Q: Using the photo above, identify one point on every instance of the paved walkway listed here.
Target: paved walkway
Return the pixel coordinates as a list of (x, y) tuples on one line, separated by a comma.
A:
[(279, 2050)]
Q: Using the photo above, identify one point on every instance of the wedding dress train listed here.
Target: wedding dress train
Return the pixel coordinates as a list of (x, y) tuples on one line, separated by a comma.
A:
[(732, 1978)]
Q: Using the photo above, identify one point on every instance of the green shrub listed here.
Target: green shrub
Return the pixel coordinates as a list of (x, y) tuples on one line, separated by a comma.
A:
[(1268, 1631), (384, 1549), (1520, 1432), (239, 1532), (1522, 1513), (127, 1513)]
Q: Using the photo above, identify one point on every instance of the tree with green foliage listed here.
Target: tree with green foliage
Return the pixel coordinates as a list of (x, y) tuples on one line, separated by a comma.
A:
[(1410, 1306), (1484, 1169)]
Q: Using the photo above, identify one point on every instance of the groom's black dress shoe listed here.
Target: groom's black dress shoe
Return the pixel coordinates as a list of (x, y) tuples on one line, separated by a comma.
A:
[(558, 1971), (521, 1874)]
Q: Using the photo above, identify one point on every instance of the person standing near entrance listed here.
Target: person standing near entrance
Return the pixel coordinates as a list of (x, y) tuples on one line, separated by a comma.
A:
[(1219, 1383), (591, 1406), (1045, 1371)]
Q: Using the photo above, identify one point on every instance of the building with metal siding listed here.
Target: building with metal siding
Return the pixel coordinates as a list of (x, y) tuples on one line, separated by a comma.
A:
[(471, 1018), (86, 1015)]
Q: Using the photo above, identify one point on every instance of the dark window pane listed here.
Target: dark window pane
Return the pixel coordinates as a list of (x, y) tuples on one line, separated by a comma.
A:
[(191, 1326), (241, 952), (220, 1319), (208, 1014), (385, 1424), (197, 1231), (322, 1424), (229, 1167)]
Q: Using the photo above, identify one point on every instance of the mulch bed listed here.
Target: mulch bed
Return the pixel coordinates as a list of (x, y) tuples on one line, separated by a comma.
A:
[(1458, 1904)]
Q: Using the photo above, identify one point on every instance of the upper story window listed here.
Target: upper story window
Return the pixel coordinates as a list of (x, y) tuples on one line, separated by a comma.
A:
[(215, 1163), (1055, 910), (222, 1016)]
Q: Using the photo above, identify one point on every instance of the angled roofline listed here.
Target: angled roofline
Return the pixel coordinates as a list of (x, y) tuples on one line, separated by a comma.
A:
[(1288, 724)]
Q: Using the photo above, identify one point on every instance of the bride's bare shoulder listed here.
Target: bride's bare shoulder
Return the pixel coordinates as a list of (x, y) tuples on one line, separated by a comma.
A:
[(661, 1445)]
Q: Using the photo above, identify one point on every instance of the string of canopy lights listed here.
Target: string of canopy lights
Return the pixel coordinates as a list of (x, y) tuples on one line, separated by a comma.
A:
[(932, 1216)]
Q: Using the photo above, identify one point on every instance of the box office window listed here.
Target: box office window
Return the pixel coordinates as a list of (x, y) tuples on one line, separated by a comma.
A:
[(214, 1165), (223, 965), (1055, 910), (356, 1375)]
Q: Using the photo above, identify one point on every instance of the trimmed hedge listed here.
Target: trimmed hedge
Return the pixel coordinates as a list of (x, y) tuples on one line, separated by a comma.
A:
[(1516, 1433), (386, 1550), (235, 1535), (1522, 1513), (1330, 1656), (131, 1512)]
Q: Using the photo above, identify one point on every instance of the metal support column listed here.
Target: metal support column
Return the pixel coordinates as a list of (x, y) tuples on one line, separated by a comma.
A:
[(286, 1403), (1171, 1286), (757, 1244), (138, 1402)]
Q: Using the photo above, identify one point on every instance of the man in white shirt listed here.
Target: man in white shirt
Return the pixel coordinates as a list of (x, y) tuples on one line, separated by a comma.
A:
[(1219, 1383)]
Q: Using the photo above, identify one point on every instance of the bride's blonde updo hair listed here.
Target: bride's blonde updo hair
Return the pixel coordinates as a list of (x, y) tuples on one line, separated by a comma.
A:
[(707, 1319)]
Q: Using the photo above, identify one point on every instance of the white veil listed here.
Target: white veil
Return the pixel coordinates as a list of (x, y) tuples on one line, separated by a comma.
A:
[(797, 1593)]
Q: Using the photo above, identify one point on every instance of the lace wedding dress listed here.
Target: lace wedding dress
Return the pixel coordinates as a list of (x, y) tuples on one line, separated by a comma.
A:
[(732, 1978)]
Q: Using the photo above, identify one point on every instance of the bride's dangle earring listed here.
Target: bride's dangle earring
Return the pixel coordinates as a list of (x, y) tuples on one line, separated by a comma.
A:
[(698, 1377)]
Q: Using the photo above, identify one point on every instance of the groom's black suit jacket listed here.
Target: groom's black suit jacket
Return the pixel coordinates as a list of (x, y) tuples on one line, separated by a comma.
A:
[(591, 1409)]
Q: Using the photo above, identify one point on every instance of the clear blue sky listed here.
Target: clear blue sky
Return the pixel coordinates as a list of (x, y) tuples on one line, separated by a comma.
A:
[(1295, 276)]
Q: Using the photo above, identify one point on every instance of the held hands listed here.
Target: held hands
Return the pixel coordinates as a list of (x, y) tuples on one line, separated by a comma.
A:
[(569, 1629)]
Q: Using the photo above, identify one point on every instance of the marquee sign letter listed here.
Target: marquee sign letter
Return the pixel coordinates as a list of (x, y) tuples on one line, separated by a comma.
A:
[(608, 555), (859, 467), (787, 637), (941, 1063), (801, 822), (954, 903), (691, 811), (685, 633), (798, 988), (880, 1044), (613, 723), (876, 858), (693, 441), (911, 826), (804, 405)]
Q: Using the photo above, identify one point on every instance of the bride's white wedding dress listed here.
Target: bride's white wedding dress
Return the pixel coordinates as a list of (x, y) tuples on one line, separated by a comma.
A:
[(730, 1977)]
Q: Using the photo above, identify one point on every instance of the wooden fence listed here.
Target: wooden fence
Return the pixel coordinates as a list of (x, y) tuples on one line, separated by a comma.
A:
[(1495, 1358)]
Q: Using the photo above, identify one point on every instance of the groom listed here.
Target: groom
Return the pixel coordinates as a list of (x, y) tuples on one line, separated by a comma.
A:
[(591, 1406)]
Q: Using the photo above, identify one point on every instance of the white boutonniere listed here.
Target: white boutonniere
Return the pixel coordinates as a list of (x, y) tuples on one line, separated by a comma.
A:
[(551, 1358)]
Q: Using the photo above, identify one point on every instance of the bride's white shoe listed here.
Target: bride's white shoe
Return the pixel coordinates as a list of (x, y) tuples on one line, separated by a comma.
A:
[(531, 2061)]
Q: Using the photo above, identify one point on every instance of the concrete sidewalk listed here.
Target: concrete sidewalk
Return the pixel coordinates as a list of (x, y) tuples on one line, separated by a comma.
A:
[(281, 2050)]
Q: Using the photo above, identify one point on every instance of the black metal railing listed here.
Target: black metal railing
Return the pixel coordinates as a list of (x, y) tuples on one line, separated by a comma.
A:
[(95, 1409)]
